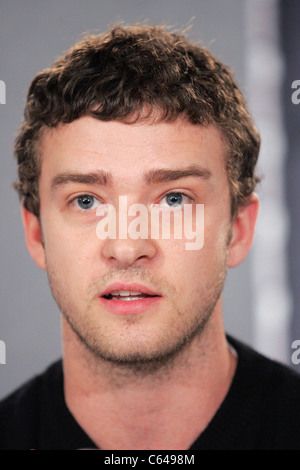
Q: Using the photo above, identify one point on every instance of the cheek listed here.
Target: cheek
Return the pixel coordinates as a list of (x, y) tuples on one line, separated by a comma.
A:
[(216, 234), (70, 253), (192, 270), (182, 268)]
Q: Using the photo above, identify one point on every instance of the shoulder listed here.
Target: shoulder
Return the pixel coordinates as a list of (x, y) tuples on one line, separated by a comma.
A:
[(273, 390), (268, 371), (19, 412)]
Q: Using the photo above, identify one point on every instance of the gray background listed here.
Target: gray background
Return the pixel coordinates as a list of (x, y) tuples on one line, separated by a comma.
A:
[(32, 34)]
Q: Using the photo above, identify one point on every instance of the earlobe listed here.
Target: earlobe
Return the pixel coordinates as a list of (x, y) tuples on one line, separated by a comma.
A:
[(33, 237), (243, 228)]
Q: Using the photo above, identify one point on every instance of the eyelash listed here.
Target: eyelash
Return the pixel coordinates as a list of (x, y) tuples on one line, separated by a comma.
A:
[(72, 201), (75, 199), (177, 192)]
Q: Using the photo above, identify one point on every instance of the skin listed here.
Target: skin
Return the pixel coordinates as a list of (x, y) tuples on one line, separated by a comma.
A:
[(116, 388)]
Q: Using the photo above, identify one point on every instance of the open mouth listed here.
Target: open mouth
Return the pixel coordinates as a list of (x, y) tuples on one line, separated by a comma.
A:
[(127, 296), (129, 299)]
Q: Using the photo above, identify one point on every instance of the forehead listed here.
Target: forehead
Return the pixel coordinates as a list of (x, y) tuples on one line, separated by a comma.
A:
[(127, 149)]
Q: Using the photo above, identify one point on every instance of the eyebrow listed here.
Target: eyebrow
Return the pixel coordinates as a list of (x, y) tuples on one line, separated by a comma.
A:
[(154, 176), (99, 177), (163, 175)]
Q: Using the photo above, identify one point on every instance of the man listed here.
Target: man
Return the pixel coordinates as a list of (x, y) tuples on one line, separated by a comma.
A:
[(142, 114)]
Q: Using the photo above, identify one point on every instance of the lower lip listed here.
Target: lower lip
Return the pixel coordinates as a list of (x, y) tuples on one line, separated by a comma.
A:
[(129, 307)]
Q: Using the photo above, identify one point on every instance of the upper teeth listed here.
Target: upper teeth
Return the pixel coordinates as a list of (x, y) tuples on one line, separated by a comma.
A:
[(125, 293)]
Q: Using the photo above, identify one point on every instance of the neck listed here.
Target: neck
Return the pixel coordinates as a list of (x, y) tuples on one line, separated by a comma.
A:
[(158, 408)]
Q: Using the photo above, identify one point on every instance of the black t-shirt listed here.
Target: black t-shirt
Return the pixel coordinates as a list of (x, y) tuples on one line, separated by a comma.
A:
[(260, 411)]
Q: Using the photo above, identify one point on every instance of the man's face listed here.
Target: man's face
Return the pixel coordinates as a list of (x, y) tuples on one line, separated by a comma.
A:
[(81, 267)]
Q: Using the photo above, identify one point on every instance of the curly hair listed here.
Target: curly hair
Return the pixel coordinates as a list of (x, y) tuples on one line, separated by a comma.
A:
[(119, 74)]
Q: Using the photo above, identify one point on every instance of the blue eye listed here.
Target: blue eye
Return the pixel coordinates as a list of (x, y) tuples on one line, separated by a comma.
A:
[(174, 199), (86, 202)]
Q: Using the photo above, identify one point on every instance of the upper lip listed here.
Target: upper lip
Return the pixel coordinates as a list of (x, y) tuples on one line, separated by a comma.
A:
[(132, 286)]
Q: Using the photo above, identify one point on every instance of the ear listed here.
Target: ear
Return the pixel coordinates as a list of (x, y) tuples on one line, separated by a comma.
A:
[(33, 237), (243, 227)]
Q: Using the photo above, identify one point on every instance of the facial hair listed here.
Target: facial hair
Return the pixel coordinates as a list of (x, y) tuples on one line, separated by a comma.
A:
[(145, 359)]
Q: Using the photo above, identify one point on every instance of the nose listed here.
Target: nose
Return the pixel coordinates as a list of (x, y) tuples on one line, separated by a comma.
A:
[(129, 251)]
